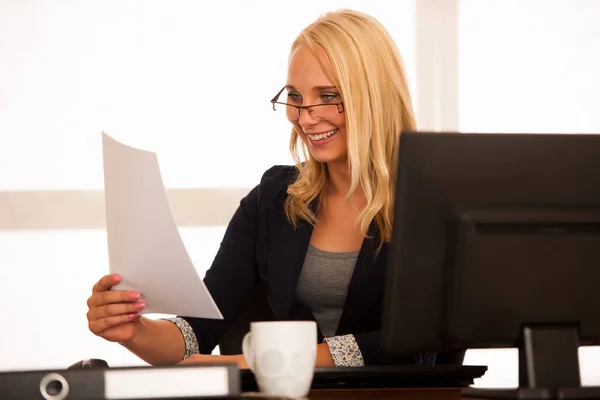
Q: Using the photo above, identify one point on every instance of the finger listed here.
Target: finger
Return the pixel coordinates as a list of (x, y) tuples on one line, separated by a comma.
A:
[(112, 297), (106, 282), (112, 310), (101, 325)]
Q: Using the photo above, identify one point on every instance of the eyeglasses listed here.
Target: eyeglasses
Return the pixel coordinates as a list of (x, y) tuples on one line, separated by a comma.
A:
[(323, 111)]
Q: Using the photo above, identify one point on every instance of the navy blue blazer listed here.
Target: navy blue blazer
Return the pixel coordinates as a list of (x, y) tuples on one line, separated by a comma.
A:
[(260, 246)]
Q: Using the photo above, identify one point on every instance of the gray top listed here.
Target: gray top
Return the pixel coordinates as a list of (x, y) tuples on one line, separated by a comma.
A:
[(323, 285)]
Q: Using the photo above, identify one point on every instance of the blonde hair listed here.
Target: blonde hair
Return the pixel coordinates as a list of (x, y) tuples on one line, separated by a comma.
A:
[(361, 59)]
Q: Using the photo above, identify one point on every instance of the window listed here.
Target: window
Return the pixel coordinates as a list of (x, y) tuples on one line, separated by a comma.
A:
[(529, 66), (190, 80)]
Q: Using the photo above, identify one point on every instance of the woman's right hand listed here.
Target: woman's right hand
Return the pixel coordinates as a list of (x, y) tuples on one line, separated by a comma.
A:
[(113, 314)]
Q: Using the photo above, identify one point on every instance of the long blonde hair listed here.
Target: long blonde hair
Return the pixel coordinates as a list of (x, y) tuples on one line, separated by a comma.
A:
[(361, 59)]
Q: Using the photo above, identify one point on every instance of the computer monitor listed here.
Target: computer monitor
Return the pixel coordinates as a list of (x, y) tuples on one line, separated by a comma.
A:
[(496, 243)]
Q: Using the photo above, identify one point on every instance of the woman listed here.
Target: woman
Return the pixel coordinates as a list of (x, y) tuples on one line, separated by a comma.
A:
[(316, 233)]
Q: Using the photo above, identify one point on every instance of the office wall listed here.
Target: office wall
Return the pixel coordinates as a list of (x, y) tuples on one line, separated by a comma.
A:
[(169, 77)]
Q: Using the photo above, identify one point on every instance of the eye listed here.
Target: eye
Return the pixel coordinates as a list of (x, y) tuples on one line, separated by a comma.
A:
[(295, 97), (328, 97)]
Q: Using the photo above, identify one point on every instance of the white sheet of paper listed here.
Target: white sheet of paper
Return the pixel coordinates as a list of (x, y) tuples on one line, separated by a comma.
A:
[(144, 245)]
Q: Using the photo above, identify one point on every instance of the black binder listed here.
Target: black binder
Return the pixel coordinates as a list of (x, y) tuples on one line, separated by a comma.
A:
[(171, 382)]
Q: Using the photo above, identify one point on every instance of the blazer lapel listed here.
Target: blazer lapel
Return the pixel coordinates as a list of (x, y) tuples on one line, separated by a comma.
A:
[(287, 250), (366, 284)]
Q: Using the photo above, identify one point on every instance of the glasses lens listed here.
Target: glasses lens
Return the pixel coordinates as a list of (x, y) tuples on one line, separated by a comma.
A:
[(288, 101), (285, 102), (286, 111), (324, 111)]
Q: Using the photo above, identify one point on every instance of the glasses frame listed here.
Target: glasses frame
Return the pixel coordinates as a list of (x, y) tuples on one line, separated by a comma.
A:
[(309, 108)]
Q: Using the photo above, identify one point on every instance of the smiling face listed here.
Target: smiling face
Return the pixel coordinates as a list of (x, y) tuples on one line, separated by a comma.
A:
[(322, 128)]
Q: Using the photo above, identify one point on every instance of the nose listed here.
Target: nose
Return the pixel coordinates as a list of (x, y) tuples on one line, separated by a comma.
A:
[(306, 118)]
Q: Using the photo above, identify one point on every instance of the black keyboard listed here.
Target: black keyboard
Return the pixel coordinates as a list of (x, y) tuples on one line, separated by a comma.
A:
[(386, 377)]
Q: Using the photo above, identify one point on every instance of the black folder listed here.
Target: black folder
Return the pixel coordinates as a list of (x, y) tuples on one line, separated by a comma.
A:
[(119, 383)]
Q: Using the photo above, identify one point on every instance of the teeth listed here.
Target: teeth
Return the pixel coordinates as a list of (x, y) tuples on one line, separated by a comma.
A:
[(322, 135)]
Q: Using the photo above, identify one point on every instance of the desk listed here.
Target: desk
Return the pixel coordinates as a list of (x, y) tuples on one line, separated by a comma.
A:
[(378, 394), (387, 394)]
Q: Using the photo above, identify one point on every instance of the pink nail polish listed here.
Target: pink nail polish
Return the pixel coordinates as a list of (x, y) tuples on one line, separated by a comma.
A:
[(139, 305), (132, 315), (134, 296)]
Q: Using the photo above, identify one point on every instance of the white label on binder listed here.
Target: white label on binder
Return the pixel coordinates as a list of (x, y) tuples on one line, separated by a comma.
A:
[(152, 383)]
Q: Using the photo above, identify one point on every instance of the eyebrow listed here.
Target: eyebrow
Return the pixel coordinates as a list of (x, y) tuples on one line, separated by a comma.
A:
[(291, 87)]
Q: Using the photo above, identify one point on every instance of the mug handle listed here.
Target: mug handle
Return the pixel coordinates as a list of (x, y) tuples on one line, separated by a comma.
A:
[(247, 350)]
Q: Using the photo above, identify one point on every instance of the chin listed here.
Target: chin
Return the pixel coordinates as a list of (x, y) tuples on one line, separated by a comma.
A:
[(329, 158)]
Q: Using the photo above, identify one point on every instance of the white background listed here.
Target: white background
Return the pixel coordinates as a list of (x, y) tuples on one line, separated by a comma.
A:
[(191, 80)]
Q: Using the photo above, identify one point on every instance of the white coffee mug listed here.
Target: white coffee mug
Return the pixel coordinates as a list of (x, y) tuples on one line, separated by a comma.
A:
[(282, 356)]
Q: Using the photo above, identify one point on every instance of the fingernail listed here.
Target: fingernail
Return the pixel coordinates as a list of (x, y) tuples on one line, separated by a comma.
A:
[(116, 278), (134, 296), (132, 315), (139, 305)]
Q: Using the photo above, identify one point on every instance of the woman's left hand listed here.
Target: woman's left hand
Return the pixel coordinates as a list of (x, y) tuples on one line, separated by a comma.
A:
[(215, 359)]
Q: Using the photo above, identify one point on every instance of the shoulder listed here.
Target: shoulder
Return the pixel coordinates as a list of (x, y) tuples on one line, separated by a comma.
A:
[(275, 181), (272, 188), (270, 193), (279, 176)]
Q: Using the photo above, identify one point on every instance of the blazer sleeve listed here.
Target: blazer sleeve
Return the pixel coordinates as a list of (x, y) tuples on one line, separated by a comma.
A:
[(369, 344), (233, 275)]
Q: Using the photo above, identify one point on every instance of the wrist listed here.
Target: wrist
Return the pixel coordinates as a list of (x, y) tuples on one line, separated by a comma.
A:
[(324, 358), (140, 324)]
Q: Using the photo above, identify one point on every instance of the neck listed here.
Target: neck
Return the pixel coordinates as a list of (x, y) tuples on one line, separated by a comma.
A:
[(339, 182)]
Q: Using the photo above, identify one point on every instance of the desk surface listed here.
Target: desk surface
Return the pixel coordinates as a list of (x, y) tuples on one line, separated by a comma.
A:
[(379, 394)]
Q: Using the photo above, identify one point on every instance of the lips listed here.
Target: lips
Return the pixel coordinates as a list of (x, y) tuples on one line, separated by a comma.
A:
[(322, 136)]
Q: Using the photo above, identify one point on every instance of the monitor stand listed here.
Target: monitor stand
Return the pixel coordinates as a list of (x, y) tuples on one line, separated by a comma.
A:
[(548, 367)]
